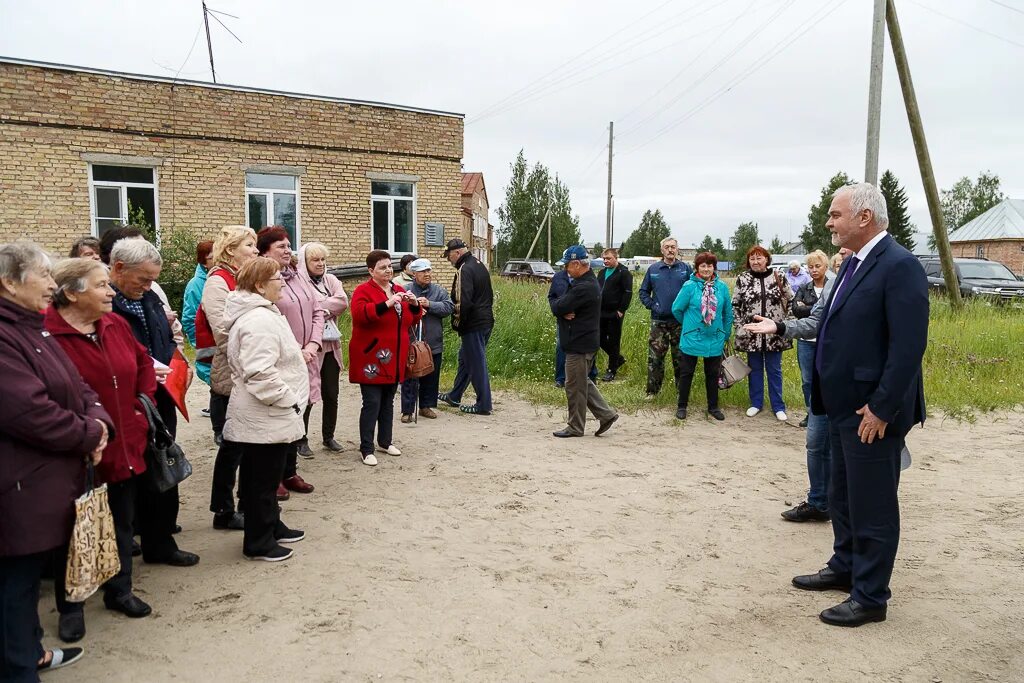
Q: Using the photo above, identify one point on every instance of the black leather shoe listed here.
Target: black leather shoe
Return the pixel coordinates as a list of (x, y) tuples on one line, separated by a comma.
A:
[(825, 580), (564, 434), (680, 413), (230, 521), (606, 425), (71, 627), (129, 605), (177, 529), (803, 422), (716, 413), (333, 445), (304, 450), (852, 613), (179, 558), (805, 512), (608, 376)]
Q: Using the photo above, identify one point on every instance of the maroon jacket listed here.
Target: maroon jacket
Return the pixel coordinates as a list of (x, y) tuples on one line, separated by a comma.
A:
[(47, 427), (118, 369)]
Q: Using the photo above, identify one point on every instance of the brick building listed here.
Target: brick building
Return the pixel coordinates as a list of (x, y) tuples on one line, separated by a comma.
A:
[(79, 146), (997, 234), (477, 232)]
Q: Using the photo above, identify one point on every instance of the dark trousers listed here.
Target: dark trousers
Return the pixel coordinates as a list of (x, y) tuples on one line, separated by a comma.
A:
[(261, 471), (378, 411), (218, 412), (425, 387), (330, 373), (473, 368), (225, 465), (687, 367), (20, 633), (865, 509), (157, 512), (611, 341)]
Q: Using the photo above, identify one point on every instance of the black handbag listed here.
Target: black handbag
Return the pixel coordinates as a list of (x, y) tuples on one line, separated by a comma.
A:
[(166, 463)]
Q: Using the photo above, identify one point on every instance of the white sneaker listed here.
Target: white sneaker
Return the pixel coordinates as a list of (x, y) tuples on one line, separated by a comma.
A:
[(752, 411), (370, 459), (390, 450), (781, 416)]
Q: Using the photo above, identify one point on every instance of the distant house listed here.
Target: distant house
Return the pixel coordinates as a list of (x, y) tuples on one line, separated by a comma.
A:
[(997, 234), (796, 248), (477, 232)]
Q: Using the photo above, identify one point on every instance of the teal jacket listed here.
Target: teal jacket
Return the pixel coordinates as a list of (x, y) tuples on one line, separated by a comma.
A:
[(190, 306), (696, 338)]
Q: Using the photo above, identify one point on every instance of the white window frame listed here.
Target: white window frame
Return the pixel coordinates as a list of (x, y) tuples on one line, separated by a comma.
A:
[(391, 199), (123, 196), (269, 194)]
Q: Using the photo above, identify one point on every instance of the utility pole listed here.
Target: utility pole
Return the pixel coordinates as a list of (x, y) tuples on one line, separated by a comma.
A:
[(209, 43), (611, 240), (875, 93), (608, 221), (924, 160)]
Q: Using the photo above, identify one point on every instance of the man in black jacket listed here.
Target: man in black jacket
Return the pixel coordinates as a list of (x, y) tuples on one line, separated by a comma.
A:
[(616, 294), (473, 320), (579, 320)]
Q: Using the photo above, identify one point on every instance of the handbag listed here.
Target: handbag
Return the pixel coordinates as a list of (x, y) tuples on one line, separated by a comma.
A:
[(733, 369), (331, 332), (92, 550), (166, 463), (421, 359)]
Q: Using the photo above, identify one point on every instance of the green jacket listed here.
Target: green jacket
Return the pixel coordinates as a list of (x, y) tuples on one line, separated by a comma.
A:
[(696, 338)]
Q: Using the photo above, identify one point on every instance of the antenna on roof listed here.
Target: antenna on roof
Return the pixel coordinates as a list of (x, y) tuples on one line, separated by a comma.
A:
[(209, 44)]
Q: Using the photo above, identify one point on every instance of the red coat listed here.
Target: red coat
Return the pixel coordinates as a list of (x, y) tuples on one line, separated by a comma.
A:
[(380, 340), (118, 369)]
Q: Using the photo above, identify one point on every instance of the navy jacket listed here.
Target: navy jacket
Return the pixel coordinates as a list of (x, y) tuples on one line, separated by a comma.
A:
[(154, 332), (874, 341), (660, 288)]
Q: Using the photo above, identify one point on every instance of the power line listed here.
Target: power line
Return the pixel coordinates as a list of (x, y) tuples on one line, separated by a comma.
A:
[(1009, 7), (970, 26)]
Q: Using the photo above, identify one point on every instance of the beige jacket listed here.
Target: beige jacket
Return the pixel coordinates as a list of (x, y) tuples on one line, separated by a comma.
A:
[(270, 380), (215, 294)]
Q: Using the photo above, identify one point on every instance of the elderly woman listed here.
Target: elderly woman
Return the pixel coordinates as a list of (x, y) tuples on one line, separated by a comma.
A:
[(796, 276), (803, 301), (300, 305), (271, 388), (404, 277), (190, 306), (233, 248), (118, 369), (382, 314), (85, 247), (51, 423), (334, 302), (761, 291), (436, 305), (704, 310)]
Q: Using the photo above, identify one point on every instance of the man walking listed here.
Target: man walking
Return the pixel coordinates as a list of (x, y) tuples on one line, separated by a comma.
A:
[(578, 313), (616, 295), (867, 379), (473, 320), (658, 292)]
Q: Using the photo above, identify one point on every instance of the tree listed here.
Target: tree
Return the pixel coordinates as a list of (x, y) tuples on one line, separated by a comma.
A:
[(720, 250), (900, 227), (965, 201), (597, 249), (707, 245), (815, 235), (777, 246), (527, 196), (646, 239), (742, 240)]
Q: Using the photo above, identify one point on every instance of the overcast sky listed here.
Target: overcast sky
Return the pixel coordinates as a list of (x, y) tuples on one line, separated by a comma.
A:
[(562, 69)]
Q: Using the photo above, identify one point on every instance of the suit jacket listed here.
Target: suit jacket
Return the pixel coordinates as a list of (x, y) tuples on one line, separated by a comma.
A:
[(616, 290), (873, 342)]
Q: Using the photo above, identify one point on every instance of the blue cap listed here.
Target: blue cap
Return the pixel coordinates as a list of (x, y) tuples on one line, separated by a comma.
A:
[(576, 252)]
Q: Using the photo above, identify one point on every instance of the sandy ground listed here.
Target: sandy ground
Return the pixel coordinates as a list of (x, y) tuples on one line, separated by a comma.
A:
[(492, 551)]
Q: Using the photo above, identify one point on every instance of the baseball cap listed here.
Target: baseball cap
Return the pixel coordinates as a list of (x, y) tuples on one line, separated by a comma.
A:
[(453, 245), (419, 265), (577, 252)]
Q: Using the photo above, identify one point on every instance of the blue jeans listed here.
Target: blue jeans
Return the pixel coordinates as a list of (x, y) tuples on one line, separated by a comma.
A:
[(762, 362), (473, 368), (805, 358), (819, 459)]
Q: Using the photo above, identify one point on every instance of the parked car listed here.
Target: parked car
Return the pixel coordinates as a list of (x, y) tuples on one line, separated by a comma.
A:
[(977, 277), (529, 270)]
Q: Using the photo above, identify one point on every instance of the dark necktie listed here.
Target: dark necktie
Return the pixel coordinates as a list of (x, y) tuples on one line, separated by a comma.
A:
[(841, 289)]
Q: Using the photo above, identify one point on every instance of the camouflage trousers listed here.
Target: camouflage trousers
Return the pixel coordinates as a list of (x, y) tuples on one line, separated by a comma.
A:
[(664, 336)]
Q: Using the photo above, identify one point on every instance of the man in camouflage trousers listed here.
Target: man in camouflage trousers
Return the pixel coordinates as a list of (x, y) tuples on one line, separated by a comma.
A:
[(658, 292)]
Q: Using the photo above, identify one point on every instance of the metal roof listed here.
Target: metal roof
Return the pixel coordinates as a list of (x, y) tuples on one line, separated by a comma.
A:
[(1004, 221), (222, 86)]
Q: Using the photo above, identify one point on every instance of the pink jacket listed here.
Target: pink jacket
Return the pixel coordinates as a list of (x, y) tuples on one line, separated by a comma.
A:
[(300, 305), (334, 302)]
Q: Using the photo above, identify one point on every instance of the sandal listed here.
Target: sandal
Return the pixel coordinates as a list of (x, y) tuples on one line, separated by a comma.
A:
[(474, 410), (448, 400), (60, 658)]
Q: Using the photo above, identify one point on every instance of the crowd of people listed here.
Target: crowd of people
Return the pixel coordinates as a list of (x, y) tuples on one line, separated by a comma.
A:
[(83, 339)]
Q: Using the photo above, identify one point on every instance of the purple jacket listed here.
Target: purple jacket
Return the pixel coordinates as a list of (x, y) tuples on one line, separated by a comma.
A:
[(47, 427), (300, 305)]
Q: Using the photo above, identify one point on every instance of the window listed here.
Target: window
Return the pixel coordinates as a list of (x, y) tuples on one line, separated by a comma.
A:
[(980, 251), (393, 216), (272, 199), (479, 226), (119, 194)]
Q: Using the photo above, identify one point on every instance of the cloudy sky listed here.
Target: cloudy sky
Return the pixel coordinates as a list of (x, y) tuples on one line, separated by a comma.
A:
[(725, 110)]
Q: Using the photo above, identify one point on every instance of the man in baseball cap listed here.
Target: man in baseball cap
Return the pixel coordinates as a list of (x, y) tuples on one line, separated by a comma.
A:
[(453, 245)]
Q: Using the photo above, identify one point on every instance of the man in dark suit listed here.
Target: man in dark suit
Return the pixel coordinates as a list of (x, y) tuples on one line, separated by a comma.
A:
[(867, 379), (616, 294)]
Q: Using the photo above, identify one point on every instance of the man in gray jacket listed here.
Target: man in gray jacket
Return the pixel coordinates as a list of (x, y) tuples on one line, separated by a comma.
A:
[(436, 305)]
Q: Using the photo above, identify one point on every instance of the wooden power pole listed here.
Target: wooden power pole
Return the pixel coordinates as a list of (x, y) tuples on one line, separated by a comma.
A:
[(924, 160), (608, 220), (875, 93)]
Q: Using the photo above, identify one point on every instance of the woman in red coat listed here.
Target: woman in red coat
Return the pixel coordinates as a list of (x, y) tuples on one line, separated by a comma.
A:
[(118, 368), (382, 314)]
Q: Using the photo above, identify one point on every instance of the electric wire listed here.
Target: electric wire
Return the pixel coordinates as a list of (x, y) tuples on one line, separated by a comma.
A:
[(1009, 7), (964, 23)]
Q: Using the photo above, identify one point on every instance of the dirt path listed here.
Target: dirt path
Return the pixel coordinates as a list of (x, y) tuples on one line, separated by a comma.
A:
[(491, 551)]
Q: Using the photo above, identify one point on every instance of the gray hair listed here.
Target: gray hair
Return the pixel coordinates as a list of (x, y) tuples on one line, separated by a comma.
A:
[(20, 257), (669, 239), (134, 251), (70, 276), (794, 262), (865, 196)]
